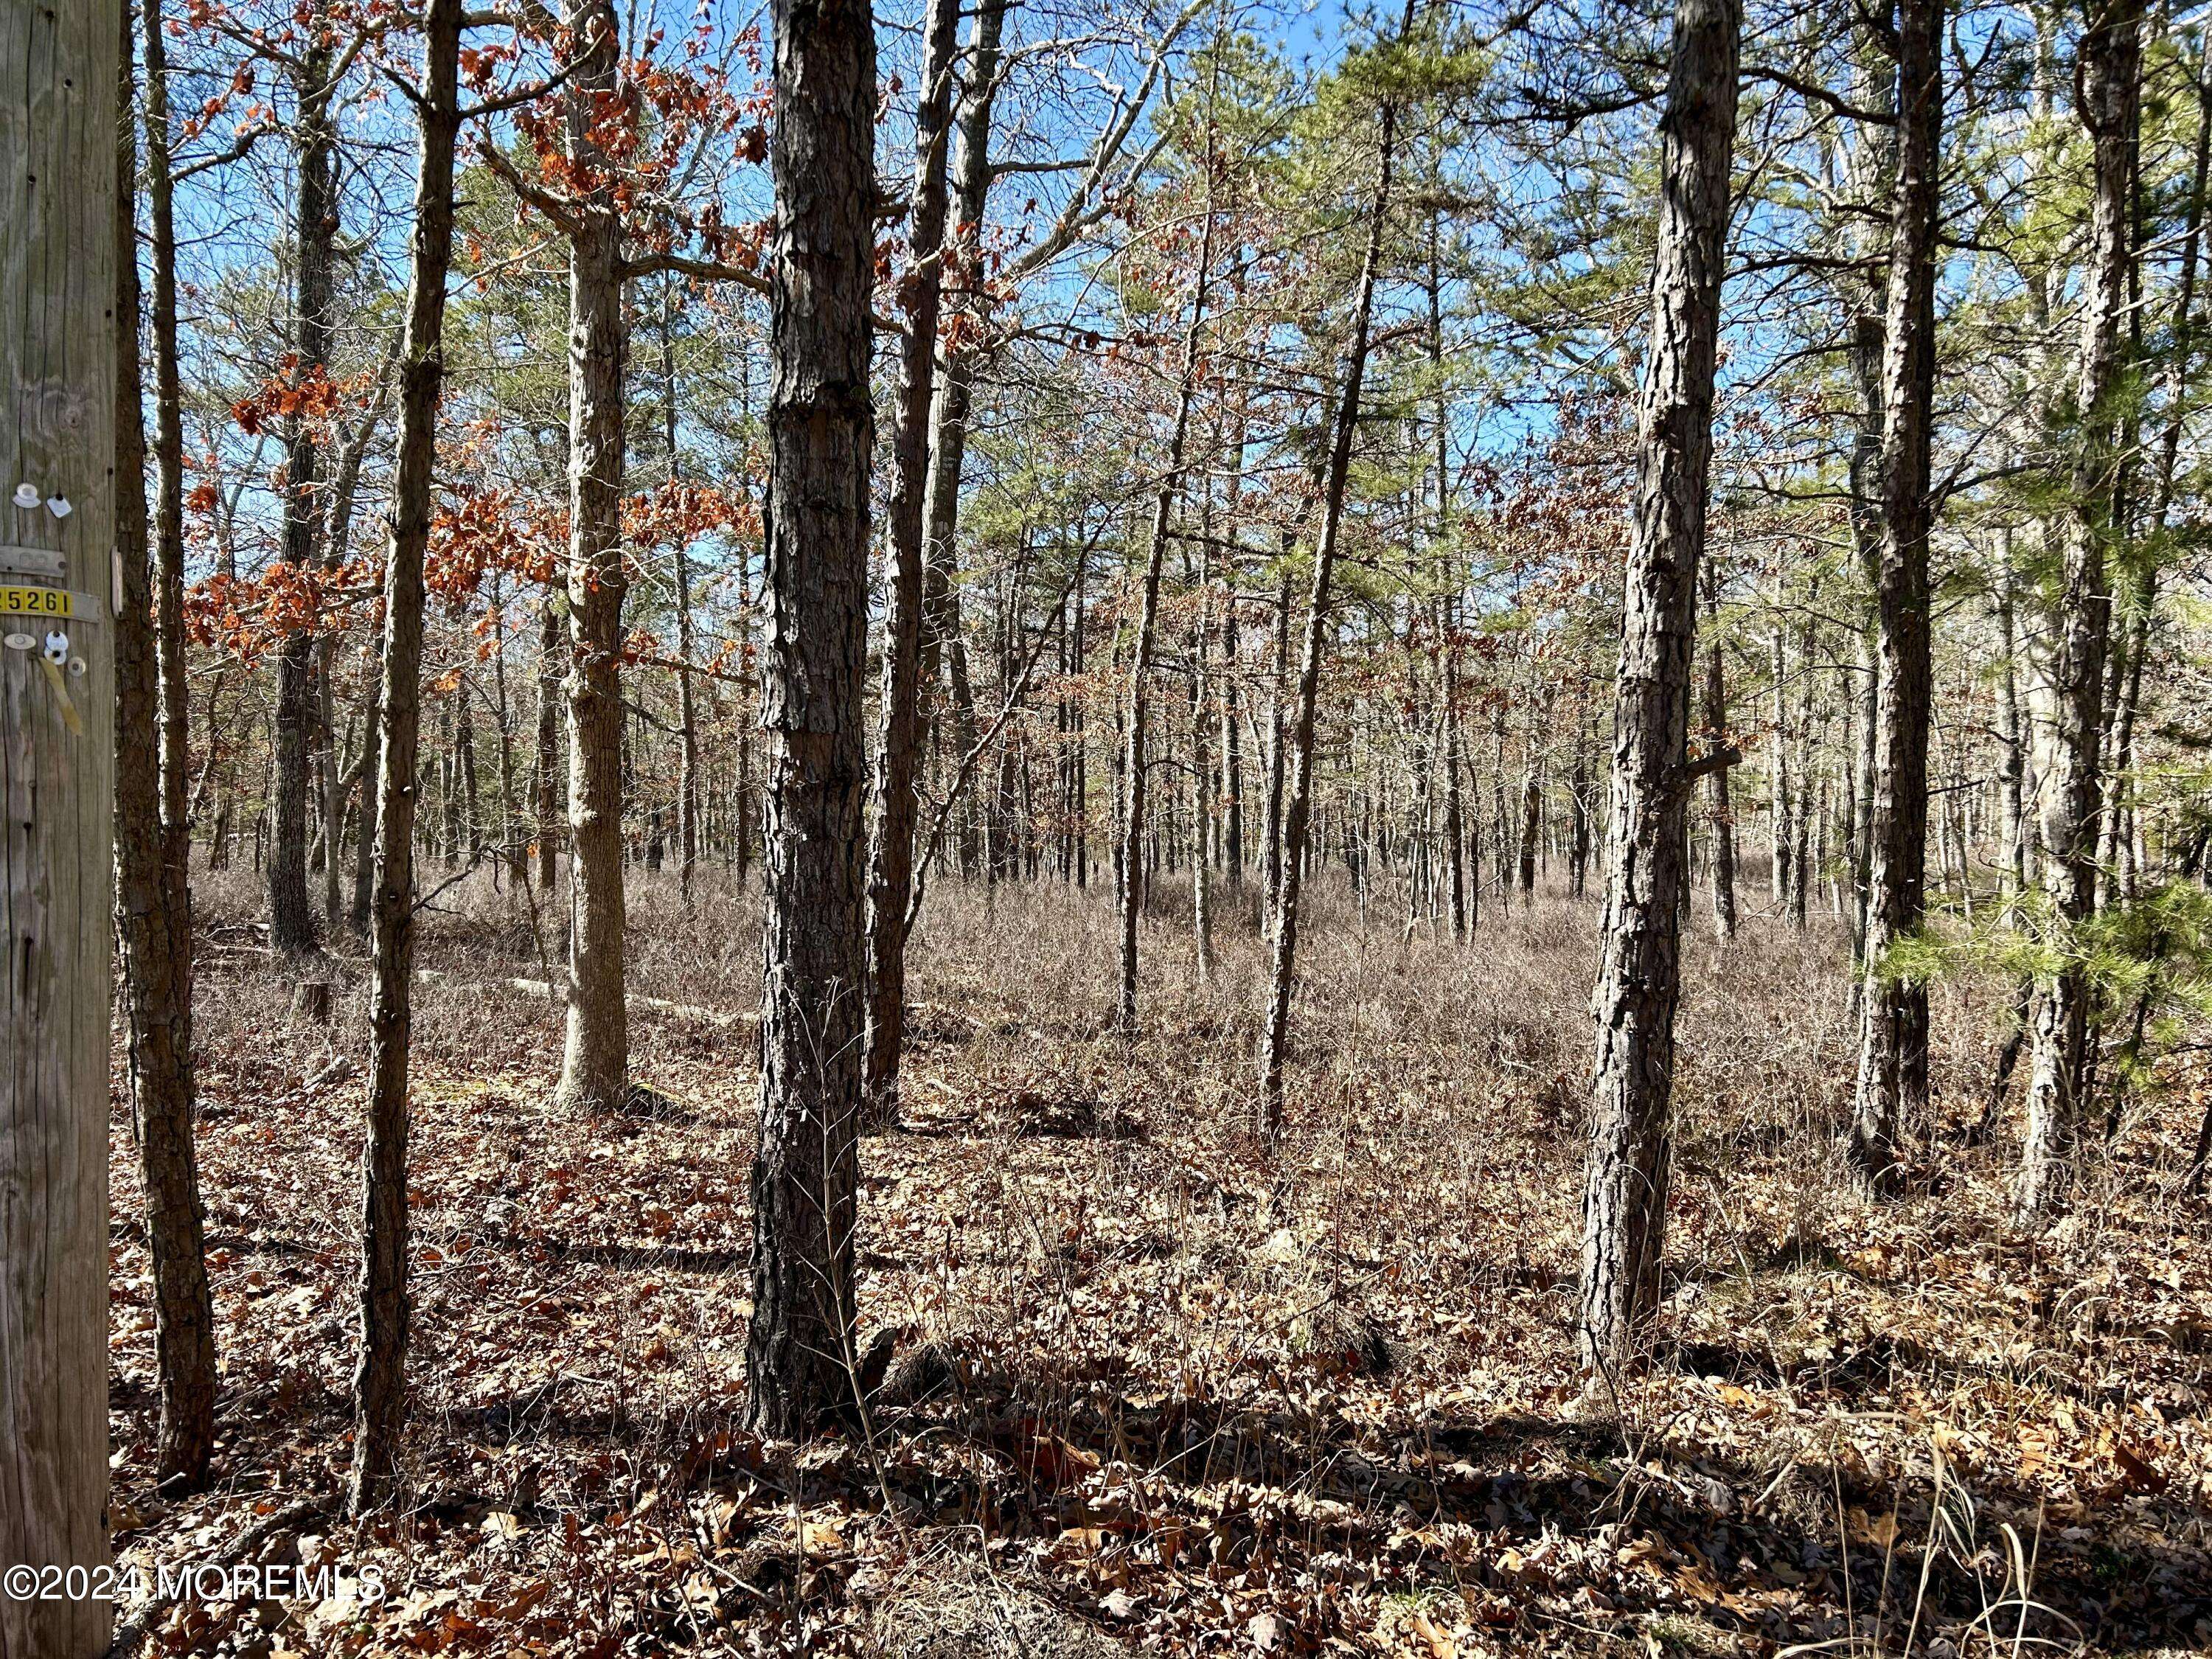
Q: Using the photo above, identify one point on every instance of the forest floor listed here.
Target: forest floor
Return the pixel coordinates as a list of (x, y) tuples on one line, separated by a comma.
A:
[(1155, 1387)]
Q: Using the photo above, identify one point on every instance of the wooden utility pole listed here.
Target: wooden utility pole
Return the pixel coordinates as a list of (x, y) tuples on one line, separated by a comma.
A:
[(57, 234)]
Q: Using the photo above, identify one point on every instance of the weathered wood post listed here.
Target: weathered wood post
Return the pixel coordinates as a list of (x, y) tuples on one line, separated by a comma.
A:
[(57, 791)]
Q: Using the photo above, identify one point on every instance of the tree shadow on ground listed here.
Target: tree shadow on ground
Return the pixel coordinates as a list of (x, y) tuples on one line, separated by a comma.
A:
[(1536, 1519)]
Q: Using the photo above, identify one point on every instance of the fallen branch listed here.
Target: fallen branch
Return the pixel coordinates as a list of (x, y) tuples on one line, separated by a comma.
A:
[(556, 991)]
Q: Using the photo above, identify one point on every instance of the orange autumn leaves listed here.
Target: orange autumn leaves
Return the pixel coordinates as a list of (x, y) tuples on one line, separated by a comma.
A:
[(475, 534)]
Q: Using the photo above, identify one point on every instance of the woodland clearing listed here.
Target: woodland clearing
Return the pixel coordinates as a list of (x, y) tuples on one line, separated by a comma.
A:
[(1155, 1387)]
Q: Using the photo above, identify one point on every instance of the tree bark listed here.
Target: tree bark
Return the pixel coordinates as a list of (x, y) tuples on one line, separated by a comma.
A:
[(595, 1057), (446, 834), (2012, 749), (470, 841), (1271, 839), (1807, 810), (1532, 813), (820, 431), (1724, 813), (1872, 161), (153, 905), (2058, 1080), (364, 853), (380, 1378), (337, 543), (2110, 68), (891, 860), (744, 816), (169, 482), (1639, 974), (1288, 865), (1862, 812), (1893, 1075), (1578, 803), (2115, 856), (315, 240), (943, 644), (1232, 737), (687, 703), (552, 648), (1204, 790), (1455, 825), (1780, 838), (1133, 770), (1447, 608)]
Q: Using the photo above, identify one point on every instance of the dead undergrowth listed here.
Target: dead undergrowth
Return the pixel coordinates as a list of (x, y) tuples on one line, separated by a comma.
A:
[(1154, 1387)]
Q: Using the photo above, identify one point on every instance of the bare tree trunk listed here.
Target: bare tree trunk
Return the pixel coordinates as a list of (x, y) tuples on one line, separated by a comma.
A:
[(656, 813), (1578, 803), (1134, 768), (1639, 973), (1871, 163), (1081, 780), (1892, 1078), (1780, 839), (1447, 610), (337, 544), (176, 809), (510, 850), (1272, 839), (471, 840), (595, 1057), (1532, 813), (330, 786), (1063, 714), (1806, 813), (153, 903), (2115, 859), (2109, 73), (1862, 820), (2012, 749), (942, 643), (1455, 825), (552, 650), (314, 238), (1297, 802), (445, 835), (1205, 792), (2124, 696), (380, 1378), (364, 855), (821, 431), (687, 701), (1723, 814), (898, 749), (1232, 739), (745, 814)]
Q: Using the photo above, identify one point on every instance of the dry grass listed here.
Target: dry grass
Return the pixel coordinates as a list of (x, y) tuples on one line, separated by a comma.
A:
[(1157, 1408)]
